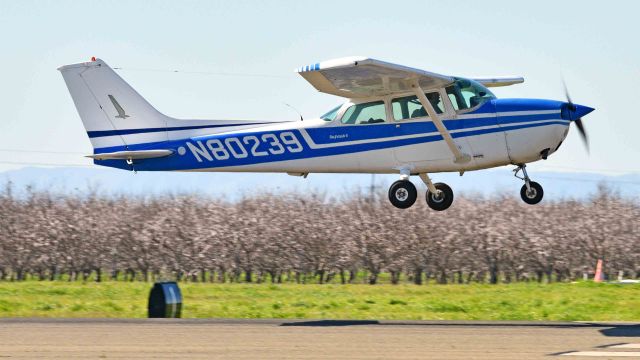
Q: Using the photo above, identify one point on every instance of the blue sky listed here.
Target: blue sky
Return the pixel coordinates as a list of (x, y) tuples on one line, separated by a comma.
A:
[(592, 44)]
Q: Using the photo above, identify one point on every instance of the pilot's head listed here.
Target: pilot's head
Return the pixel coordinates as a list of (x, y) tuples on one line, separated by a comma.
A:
[(433, 96)]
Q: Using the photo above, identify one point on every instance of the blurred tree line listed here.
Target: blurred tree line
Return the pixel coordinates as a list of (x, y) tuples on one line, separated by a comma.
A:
[(311, 238)]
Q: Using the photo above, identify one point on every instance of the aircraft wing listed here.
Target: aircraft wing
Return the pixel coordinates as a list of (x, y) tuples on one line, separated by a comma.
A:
[(500, 81), (356, 77), (360, 77)]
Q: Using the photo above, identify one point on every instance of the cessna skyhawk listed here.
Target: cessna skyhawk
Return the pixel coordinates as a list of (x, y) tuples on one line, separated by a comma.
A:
[(395, 119)]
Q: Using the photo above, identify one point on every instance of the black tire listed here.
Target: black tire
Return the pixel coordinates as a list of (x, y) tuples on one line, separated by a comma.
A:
[(442, 200), (533, 197), (403, 194)]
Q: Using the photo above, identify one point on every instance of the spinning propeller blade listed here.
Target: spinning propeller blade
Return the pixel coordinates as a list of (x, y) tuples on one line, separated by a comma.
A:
[(573, 109)]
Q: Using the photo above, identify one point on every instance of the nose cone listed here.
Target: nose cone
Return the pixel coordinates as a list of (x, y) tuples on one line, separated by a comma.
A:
[(574, 111), (580, 110)]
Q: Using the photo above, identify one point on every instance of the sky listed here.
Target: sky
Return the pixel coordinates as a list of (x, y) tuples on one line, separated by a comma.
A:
[(235, 60)]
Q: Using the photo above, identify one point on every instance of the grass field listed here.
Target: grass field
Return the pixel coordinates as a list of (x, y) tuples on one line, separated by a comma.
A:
[(561, 301)]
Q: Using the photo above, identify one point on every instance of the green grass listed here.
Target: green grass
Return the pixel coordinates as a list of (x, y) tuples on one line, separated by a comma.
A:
[(560, 301)]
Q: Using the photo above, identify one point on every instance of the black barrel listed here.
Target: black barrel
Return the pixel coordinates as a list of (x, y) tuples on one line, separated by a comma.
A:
[(165, 300)]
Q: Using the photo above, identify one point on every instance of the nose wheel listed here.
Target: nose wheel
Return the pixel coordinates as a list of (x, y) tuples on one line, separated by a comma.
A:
[(531, 192)]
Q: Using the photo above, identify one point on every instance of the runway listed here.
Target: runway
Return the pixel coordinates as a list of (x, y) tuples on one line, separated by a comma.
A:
[(323, 339)]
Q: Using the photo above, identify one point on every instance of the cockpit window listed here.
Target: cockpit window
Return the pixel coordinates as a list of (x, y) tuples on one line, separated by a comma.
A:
[(409, 107), (467, 94), (366, 113), (331, 115)]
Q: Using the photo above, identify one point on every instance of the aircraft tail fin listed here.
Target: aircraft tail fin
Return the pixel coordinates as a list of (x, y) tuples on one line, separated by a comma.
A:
[(113, 113)]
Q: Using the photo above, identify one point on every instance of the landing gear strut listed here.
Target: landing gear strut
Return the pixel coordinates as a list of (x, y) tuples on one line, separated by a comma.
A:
[(531, 192)]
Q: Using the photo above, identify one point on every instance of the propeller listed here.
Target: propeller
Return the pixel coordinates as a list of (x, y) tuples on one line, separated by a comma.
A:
[(572, 108)]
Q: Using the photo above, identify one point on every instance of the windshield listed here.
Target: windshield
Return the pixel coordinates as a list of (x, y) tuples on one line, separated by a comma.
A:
[(467, 94), (331, 115)]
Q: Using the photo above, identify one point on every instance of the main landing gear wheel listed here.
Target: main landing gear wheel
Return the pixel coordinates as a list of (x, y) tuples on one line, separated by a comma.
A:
[(442, 199), (533, 195), (402, 194)]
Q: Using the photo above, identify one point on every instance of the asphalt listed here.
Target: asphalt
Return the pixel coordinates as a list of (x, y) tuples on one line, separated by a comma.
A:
[(29, 338)]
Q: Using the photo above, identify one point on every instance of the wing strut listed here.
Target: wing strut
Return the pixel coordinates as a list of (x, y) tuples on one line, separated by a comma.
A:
[(460, 158)]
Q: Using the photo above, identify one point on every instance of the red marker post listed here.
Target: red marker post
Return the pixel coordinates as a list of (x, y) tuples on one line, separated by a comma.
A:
[(599, 276)]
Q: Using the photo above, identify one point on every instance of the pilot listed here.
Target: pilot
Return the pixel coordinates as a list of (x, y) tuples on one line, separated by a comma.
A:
[(434, 99)]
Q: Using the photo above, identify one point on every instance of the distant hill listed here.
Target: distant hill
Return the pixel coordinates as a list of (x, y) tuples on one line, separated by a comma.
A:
[(232, 186)]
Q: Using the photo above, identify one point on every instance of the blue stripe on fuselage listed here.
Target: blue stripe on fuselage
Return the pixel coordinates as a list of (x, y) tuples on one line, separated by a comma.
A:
[(188, 161), (339, 134)]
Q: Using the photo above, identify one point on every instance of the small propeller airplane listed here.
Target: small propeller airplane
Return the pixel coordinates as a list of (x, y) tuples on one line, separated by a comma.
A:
[(396, 119)]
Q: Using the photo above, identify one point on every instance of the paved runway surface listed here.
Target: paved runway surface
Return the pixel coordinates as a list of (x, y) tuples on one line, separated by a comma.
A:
[(276, 339)]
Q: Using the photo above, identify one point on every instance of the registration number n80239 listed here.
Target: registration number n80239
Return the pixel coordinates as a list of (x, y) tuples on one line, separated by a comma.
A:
[(244, 146)]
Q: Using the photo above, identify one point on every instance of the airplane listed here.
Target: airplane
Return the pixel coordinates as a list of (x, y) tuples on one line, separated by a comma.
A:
[(395, 120)]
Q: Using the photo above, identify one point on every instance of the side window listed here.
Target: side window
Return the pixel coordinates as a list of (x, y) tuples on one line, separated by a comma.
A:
[(409, 107), (466, 94), (367, 113)]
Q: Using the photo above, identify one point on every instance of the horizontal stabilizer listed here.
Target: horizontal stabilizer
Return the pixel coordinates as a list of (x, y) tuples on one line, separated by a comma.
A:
[(131, 155)]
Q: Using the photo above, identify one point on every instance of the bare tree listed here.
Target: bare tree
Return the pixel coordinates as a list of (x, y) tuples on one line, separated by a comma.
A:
[(309, 237)]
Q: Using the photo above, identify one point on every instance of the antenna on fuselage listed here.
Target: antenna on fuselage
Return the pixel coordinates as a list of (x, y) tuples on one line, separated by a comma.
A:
[(296, 110)]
